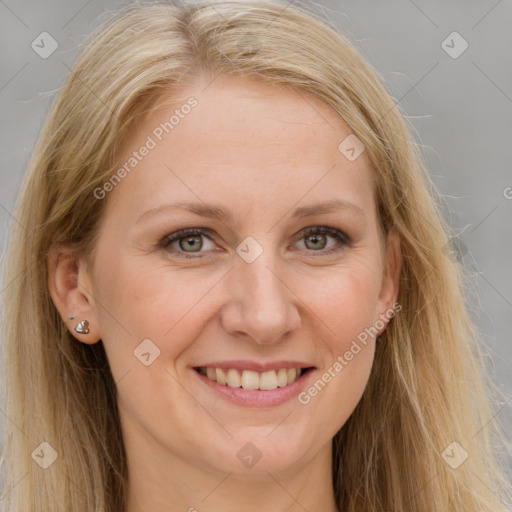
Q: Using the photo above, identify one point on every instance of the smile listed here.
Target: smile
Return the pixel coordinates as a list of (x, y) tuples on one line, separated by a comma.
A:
[(252, 380), (252, 384)]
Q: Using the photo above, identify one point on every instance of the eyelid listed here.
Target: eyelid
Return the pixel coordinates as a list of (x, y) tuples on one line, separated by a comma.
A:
[(182, 233), (167, 240), (342, 238), (326, 230)]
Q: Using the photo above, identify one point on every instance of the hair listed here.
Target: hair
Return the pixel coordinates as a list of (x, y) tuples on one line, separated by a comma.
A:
[(428, 387)]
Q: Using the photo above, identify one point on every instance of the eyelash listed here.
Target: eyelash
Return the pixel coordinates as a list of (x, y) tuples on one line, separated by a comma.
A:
[(343, 239)]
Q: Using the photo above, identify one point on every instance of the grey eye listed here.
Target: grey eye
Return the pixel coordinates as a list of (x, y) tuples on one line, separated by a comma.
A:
[(316, 241), (194, 243)]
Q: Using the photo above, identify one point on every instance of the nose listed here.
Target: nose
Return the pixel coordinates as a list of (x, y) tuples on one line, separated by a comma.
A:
[(260, 305)]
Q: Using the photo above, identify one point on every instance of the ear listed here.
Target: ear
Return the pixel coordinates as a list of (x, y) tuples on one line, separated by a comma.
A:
[(390, 280), (69, 286)]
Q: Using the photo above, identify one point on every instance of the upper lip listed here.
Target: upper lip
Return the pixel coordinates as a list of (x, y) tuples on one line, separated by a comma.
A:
[(255, 366)]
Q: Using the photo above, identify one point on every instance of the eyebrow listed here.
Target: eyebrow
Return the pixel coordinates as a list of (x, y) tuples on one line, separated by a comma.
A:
[(224, 215)]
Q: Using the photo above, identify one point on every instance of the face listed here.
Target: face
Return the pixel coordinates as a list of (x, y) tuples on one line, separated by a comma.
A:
[(241, 246)]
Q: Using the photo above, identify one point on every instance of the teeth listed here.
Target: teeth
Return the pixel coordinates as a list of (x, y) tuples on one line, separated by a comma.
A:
[(234, 380), (248, 379), (291, 374), (268, 380), (282, 377), (221, 376)]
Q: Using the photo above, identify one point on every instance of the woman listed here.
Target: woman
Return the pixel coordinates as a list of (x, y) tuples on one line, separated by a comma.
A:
[(229, 285)]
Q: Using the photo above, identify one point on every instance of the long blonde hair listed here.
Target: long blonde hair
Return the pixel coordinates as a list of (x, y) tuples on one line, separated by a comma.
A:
[(426, 390)]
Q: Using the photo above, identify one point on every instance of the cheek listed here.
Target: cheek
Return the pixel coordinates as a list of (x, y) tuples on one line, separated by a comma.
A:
[(137, 301), (337, 389), (345, 302)]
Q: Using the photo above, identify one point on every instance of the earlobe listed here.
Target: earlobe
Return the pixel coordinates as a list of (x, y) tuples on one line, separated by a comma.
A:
[(68, 284)]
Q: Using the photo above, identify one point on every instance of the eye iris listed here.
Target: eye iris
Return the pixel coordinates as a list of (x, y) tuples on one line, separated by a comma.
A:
[(195, 243), (315, 238)]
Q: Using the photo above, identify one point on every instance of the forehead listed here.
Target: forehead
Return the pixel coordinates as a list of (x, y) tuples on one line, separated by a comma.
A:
[(242, 142)]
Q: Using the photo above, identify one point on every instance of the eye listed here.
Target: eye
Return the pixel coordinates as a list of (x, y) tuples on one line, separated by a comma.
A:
[(190, 241), (316, 239)]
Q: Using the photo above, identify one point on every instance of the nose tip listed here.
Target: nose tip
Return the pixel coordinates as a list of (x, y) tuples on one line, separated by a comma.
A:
[(260, 306)]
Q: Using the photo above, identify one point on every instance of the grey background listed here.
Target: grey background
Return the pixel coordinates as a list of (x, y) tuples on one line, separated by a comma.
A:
[(461, 110)]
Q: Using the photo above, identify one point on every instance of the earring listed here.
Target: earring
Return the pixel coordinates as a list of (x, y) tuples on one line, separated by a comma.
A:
[(82, 327)]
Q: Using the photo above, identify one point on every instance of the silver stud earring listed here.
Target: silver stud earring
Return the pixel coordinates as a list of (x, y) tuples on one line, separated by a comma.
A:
[(82, 327)]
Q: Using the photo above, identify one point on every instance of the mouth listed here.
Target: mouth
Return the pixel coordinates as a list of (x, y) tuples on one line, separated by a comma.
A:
[(252, 380)]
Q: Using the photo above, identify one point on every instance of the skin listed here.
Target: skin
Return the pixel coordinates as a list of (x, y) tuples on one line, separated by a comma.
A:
[(260, 151)]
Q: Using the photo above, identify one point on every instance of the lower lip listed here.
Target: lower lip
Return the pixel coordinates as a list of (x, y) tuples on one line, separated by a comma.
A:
[(258, 398)]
